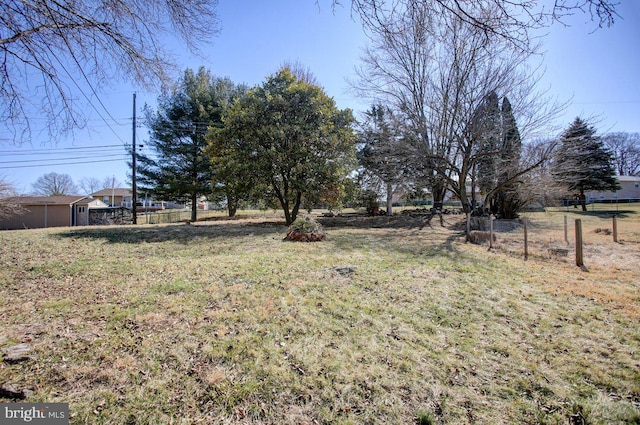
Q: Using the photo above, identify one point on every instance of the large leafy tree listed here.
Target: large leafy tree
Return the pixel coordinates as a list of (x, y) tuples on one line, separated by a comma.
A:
[(583, 163), (288, 138), (53, 49), (175, 166), (231, 174)]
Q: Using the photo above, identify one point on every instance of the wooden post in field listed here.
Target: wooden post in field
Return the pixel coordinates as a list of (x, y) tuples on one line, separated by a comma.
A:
[(566, 230), (526, 240), (615, 228), (579, 257), (491, 231)]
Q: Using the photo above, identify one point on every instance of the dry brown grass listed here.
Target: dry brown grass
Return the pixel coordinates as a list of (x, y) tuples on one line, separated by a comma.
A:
[(606, 261), (222, 322)]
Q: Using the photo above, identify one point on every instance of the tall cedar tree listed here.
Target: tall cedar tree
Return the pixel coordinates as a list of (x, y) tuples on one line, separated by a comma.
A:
[(487, 131), (583, 163), (497, 166), (177, 167), (289, 138), (507, 200)]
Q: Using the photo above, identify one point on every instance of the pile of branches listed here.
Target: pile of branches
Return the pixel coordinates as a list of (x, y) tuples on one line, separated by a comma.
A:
[(305, 230)]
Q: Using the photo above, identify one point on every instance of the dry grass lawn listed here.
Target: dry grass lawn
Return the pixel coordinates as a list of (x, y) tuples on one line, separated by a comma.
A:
[(390, 321)]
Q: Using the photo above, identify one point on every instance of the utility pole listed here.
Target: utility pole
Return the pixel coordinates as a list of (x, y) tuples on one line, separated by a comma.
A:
[(134, 188)]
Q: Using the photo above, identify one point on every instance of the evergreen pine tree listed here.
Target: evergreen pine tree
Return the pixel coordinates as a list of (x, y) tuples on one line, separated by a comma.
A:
[(583, 163), (176, 166)]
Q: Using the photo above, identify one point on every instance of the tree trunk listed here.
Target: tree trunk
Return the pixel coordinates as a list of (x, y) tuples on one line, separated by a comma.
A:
[(583, 200), (232, 202), (296, 207), (389, 199), (438, 191), (232, 206), (194, 207), (284, 204), (474, 202)]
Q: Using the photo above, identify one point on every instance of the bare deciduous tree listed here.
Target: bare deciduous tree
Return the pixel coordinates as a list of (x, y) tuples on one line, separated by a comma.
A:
[(8, 203), (626, 152), (301, 71), (91, 185), (54, 184), (437, 70), (511, 20), (380, 151), (51, 51), (538, 186)]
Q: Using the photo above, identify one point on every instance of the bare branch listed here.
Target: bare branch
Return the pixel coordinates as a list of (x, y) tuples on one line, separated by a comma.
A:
[(55, 50)]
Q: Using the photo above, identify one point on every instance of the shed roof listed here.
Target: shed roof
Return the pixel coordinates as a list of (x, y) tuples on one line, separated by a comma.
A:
[(48, 200)]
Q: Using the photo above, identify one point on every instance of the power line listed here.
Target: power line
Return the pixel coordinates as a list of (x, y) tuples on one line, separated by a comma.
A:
[(63, 163), (59, 159), (84, 75), (62, 152)]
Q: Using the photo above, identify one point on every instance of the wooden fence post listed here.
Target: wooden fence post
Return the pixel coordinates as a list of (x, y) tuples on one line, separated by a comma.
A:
[(579, 257), (526, 239), (491, 232), (566, 231), (615, 228)]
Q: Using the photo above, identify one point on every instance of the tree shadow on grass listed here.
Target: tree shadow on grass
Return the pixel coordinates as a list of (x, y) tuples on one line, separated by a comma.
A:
[(181, 233), (606, 213), (406, 238), (600, 212), (378, 222)]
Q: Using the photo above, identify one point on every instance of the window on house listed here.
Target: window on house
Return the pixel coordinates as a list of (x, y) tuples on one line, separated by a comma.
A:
[(81, 210)]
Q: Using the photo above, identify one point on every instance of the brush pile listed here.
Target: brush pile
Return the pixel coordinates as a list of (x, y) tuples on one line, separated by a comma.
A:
[(305, 230)]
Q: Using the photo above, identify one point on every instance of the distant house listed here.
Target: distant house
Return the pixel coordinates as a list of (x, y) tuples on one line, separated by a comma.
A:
[(50, 211), (116, 197), (629, 192)]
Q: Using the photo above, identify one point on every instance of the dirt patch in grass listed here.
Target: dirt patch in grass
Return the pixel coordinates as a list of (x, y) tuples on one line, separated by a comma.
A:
[(222, 322)]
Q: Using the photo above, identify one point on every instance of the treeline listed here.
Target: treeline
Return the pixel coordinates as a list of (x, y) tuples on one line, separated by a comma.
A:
[(285, 144)]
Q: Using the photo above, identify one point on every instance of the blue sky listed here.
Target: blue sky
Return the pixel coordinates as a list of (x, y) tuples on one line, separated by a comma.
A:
[(598, 70)]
